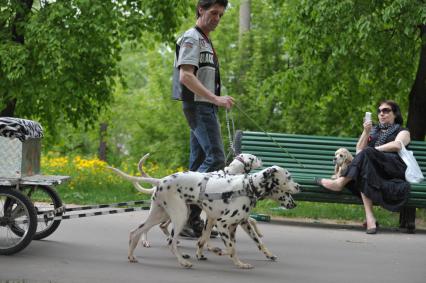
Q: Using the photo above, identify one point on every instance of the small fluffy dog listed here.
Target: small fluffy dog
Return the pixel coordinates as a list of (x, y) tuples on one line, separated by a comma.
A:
[(342, 158)]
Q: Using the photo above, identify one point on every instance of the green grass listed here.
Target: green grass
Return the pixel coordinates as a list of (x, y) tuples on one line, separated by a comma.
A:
[(100, 194), (92, 182), (328, 211)]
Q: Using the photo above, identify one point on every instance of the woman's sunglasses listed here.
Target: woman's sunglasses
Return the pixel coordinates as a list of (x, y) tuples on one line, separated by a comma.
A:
[(384, 110)]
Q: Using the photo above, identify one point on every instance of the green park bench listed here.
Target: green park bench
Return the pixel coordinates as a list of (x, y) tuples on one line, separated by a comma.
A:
[(309, 157)]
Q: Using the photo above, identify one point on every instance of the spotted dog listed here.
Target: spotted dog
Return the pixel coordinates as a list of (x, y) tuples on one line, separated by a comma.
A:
[(242, 163), (226, 199), (287, 202)]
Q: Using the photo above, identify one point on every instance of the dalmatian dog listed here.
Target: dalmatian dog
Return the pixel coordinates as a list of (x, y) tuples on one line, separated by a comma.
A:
[(242, 164), (226, 199), (287, 202), (342, 159)]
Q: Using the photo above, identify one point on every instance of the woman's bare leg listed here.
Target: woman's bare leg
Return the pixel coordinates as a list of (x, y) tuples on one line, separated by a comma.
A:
[(335, 185), (369, 216)]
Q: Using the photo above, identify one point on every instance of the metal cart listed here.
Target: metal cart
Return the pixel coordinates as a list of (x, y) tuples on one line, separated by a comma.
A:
[(26, 209), (28, 200), (30, 207)]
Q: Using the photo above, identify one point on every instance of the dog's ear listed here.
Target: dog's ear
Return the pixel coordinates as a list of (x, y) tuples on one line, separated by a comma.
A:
[(336, 169), (269, 172), (350, 157), (268, 179)]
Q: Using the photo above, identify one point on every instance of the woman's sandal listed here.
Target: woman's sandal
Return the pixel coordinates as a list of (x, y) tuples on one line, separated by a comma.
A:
[(364, 224), (371, 230)]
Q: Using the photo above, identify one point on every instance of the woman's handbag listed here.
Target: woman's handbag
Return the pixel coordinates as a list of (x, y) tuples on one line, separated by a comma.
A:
[(413, 174)]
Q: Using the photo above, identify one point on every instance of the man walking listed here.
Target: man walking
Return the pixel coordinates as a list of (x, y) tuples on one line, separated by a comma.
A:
[(196, 81)]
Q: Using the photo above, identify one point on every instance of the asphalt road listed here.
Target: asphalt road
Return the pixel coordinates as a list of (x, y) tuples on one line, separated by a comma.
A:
[(95, 250)]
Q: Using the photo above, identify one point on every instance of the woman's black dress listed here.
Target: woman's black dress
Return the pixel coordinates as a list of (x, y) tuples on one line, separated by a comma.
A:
[(379, 175)]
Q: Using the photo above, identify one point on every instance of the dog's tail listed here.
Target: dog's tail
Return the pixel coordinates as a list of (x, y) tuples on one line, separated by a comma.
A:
[(143, 174), (135, 180), (142, 189), (140, 166)]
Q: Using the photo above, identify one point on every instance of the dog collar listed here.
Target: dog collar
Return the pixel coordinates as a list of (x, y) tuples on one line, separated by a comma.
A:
[(246, 166), (253, 187)]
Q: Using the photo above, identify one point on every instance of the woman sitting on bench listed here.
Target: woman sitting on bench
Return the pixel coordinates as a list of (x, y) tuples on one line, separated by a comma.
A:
[(377, 173)]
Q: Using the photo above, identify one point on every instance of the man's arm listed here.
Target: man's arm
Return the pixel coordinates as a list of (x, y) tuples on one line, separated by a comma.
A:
[(187, 78)]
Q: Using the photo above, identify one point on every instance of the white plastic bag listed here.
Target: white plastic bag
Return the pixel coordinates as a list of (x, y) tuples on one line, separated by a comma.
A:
[(413, 174)]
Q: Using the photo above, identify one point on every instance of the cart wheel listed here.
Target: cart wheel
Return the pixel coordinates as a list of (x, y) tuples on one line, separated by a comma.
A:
[(45, 200), (16, 210)]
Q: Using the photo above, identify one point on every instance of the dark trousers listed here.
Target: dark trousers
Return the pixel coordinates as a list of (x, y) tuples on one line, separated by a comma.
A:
[(206, 148)]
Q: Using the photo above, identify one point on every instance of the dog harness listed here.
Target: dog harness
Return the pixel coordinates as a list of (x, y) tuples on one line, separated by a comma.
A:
[(250, 191)]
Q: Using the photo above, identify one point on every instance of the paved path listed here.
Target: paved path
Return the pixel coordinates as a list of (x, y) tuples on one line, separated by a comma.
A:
[(95, 249)]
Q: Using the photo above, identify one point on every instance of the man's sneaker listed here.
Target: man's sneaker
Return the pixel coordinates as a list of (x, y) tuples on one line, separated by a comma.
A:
[(197, 226), (187, 232)]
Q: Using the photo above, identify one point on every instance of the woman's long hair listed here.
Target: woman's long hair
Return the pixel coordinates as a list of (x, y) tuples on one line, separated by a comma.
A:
[(395, 109)]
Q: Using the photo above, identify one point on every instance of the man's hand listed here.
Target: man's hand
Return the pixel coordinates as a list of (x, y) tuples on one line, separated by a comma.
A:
[(224, 101), (188, 78)]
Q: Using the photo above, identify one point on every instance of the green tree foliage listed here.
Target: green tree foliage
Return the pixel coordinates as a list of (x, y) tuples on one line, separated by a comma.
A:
[(144, 118), (310, 67), (58, 59), (317, 66), (356, 53)]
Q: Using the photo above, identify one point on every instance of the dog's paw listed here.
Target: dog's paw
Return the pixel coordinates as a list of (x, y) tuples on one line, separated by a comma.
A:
[(216, 250), (146, 244), (132, 259), (243, 265), (273, 257), (201, 257), (185, 263)]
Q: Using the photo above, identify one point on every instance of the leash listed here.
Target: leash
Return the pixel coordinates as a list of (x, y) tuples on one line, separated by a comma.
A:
[(268, 135), (231, 136)]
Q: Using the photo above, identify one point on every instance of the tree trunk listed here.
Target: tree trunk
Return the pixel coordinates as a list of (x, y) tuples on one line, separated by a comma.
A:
[(243, 43), (244, 18), (102, 142), (417, 99), (9, 110)]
